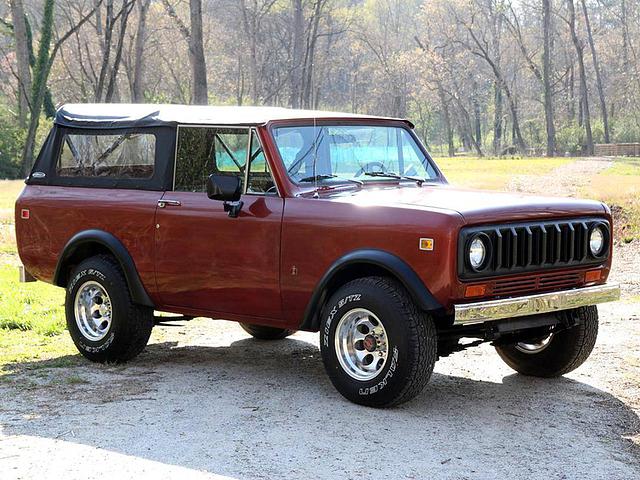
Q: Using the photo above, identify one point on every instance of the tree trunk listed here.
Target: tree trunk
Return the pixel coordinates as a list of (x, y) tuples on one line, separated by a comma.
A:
[(40, 75), (297, 54), (596, 68), (547, 68), (447, 120), (308, 75), (137, 93), (196, 53), (586, 117), (106, 51), (22, 59), (124, 17)]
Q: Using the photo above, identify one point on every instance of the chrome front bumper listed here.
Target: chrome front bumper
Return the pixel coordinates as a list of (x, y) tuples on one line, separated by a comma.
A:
[(533, 304)]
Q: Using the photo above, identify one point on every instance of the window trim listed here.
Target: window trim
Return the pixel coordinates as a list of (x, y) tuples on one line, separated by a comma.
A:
[(48, 159), (439, 178), (254, 131), (251, 130), (271, 126)]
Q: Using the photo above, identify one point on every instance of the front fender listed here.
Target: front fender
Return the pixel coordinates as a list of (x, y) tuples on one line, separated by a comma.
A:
[(393, 265)]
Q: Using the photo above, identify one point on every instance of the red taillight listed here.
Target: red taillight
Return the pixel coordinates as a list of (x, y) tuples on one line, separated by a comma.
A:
[(24, 214)]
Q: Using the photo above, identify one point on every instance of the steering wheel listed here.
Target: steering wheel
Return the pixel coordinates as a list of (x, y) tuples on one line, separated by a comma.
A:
[(370, 167)]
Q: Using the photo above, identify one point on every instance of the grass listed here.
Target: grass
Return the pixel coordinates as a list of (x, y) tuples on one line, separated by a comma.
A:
[(495, 173), (619, 187), (31, 320)]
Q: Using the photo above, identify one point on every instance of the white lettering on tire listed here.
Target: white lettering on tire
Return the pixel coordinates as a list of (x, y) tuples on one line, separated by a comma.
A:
[(382, 383), (341, 303), (84, 273)]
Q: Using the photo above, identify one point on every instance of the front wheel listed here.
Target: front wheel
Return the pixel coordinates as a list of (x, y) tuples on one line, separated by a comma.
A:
[(104, 323), (377, 347), (557, 353)]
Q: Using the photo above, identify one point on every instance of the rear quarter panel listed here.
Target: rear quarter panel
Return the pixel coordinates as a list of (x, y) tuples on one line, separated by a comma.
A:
[(57, 213)]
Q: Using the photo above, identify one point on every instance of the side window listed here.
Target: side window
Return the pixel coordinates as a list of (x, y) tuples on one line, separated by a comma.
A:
[(260, 178), (203, 151), (126, 155)]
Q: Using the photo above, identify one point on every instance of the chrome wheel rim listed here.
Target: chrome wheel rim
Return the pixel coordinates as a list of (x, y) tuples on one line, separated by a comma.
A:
[(536, 346), (93, 312), (361, 344)]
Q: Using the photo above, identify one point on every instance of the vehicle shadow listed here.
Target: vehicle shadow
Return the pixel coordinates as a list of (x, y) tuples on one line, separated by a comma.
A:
[(255, 409)]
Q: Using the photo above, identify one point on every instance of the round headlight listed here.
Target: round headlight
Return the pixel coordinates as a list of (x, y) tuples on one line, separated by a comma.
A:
[(477, 253), (596, 241)]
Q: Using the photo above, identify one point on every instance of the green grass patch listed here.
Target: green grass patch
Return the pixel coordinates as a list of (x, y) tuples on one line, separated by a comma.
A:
[(495, 173), (30, 306), (624, 166), (28, 350)]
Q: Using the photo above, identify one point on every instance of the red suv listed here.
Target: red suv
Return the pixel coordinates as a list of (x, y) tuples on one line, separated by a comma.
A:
[(288, 220)]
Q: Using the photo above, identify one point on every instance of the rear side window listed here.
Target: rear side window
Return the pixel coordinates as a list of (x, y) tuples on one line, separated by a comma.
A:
[(124, 156), (203, 151)]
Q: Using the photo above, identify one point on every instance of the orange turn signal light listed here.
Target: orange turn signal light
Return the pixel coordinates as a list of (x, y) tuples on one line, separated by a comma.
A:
[(475, 291), (592, 276)]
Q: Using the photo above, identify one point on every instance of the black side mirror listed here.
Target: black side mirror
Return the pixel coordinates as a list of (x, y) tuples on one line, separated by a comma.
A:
[(226, 188)]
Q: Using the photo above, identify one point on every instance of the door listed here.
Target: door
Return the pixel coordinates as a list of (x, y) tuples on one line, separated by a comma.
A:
[(206, 260)]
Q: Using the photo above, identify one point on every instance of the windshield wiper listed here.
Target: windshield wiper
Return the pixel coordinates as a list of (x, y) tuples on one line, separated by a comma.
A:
[(325, 176), (418, 180), (314, 178)]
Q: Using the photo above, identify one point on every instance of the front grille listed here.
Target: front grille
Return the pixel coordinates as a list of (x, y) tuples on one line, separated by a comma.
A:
[(537, 283), (521, 247)]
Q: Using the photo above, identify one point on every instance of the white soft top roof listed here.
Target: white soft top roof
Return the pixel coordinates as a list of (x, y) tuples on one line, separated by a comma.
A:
[(117, 115)]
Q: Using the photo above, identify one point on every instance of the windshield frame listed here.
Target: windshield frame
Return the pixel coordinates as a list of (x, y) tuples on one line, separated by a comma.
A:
[(337, 182)]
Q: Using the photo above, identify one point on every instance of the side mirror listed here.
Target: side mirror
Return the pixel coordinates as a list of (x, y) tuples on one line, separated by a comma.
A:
[(226, 188)]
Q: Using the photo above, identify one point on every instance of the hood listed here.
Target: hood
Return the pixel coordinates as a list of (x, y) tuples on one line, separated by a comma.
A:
[(475, 206)]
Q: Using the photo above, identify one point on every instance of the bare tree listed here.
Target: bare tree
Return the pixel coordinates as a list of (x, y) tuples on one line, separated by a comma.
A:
[(598, 75), (584, 93), (19, 25), (137, 87), (193, 36)]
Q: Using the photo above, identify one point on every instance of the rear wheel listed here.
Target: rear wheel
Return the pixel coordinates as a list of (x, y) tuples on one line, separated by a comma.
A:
[(266, 333), (556, 353), (104, 323), (378, 348)]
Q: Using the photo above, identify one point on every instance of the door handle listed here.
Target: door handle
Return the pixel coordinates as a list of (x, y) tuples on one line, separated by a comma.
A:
[(164, 202)]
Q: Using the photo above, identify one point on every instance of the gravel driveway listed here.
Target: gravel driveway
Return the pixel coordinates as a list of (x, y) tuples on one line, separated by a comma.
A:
[(207, 401)]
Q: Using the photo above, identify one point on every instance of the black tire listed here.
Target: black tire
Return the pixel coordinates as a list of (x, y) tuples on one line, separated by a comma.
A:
[(566, 350), (411, 342), (131, 324), (266, 333)]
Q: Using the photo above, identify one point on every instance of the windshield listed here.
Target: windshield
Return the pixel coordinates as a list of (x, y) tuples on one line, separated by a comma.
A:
[(354, 153)]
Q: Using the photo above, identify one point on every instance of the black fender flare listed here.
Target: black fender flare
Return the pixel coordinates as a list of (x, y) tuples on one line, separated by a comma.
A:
[(392, 264), (117, 249)]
